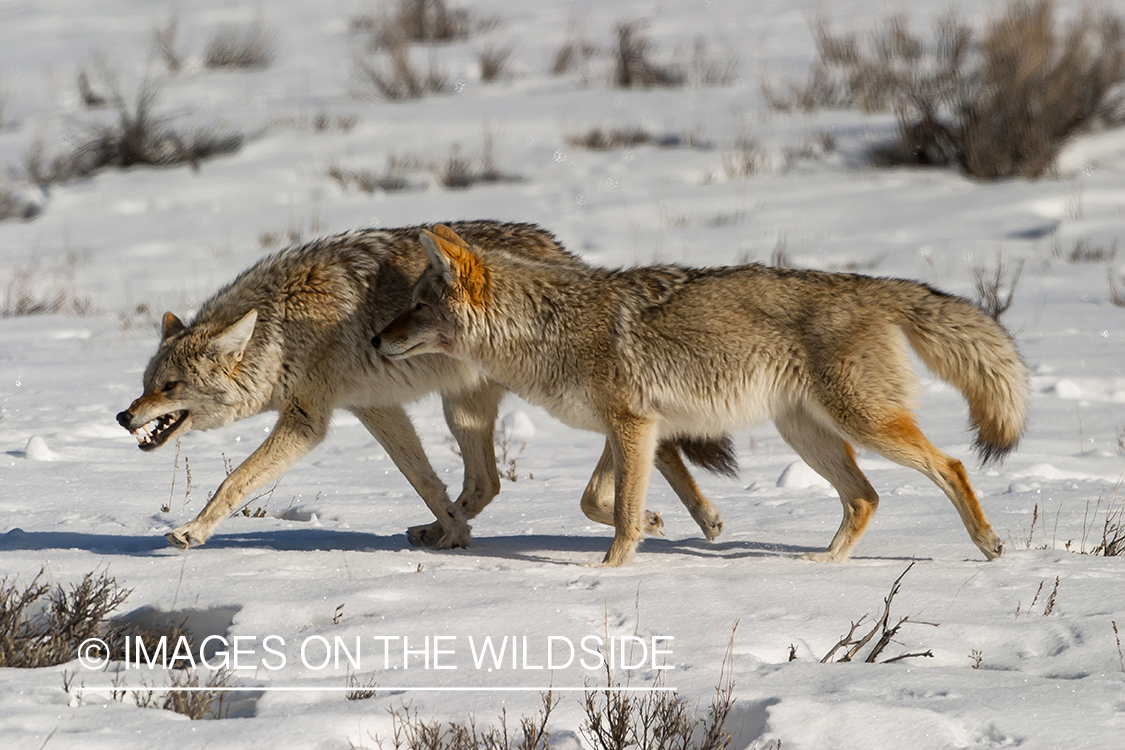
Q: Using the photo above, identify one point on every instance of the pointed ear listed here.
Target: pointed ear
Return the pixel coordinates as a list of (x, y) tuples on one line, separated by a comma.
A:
[(460, 266), (441, 230), (431, 243), (232, 342), (170, 326)]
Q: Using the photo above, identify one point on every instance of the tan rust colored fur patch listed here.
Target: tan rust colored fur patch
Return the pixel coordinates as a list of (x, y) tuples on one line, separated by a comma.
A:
[(147, 401), (862, 513), (311, 297), (441, 230), (902, 429), (468, 268), (955, 474), (474, 280)]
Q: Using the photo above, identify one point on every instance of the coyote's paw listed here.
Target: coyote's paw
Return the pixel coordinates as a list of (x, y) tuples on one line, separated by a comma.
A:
[(607, 564), (457, 534), (825, 556), (707, 518), (992, 547), (654, 524), (185, 537), (455, 540), (620, 552), (711, 526), (426, 535), (712, 529)]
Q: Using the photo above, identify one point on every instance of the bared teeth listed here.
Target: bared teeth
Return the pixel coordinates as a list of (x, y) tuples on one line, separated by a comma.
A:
[(152, 432)]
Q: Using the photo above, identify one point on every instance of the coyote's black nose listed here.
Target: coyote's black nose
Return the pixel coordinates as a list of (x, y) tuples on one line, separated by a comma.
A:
[(124, 418), (376, 341)]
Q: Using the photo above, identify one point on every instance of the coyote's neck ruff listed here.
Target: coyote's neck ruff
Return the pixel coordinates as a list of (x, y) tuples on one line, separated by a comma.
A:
[(645, 353)]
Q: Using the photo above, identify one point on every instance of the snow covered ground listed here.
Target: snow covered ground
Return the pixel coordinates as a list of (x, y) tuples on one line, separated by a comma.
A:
[(329, 558)]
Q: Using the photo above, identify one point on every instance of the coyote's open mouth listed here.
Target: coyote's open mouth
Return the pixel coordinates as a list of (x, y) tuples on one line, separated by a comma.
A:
[(154, 434)]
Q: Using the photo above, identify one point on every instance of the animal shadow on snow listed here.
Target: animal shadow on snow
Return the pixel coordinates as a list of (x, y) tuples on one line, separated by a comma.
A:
[(541, 548), (288, 540)]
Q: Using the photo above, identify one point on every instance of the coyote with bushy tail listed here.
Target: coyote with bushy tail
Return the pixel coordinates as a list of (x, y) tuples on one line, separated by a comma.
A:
[(643, 354), (292, 334)]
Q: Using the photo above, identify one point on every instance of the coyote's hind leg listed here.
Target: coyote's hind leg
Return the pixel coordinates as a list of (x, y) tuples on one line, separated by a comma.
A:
[(597, 499), (833, 458)]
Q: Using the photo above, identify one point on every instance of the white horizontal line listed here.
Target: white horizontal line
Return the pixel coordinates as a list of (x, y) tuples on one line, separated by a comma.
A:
[(376, 688)]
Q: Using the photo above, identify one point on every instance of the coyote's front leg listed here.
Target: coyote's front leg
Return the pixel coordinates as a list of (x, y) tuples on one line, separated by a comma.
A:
[(471, 417), (395, 432), (298, 430), (633, 442)]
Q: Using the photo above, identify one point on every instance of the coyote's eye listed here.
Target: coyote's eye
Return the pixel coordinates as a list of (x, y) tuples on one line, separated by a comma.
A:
[(419, 307), (169, 386)]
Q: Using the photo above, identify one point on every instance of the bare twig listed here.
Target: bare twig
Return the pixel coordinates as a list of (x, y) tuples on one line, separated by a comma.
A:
[(881, 626), (1117, 637), (990, 286)]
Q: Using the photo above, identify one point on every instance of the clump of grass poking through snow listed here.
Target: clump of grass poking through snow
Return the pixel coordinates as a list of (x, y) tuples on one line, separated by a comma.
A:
[(997, 103), (361, 691), (186, 695), (618, 720), (633, 67), (31, 291), (1112, 541), (995, 289), (412, 732), (240, 48), (71, 616), (393, 75), (494, 62), (1048, 605), (138, 137)]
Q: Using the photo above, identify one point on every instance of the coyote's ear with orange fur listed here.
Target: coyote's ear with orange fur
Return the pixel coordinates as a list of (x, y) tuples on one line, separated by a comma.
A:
[(440, 258), (441, 230), (460, 267)]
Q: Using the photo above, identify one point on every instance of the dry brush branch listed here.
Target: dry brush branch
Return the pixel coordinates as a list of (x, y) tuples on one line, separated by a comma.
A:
[(882, 627), (997, 103)]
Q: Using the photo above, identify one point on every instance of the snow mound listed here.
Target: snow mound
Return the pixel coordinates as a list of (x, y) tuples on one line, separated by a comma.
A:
[(81, 334), (518, 425), (37, 450), (1044, 471), (799, 475), (1068, 389), (300, 513)]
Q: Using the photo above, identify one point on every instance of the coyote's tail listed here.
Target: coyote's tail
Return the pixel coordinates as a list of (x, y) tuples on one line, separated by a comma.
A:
[(964, 346), (715, 455)]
